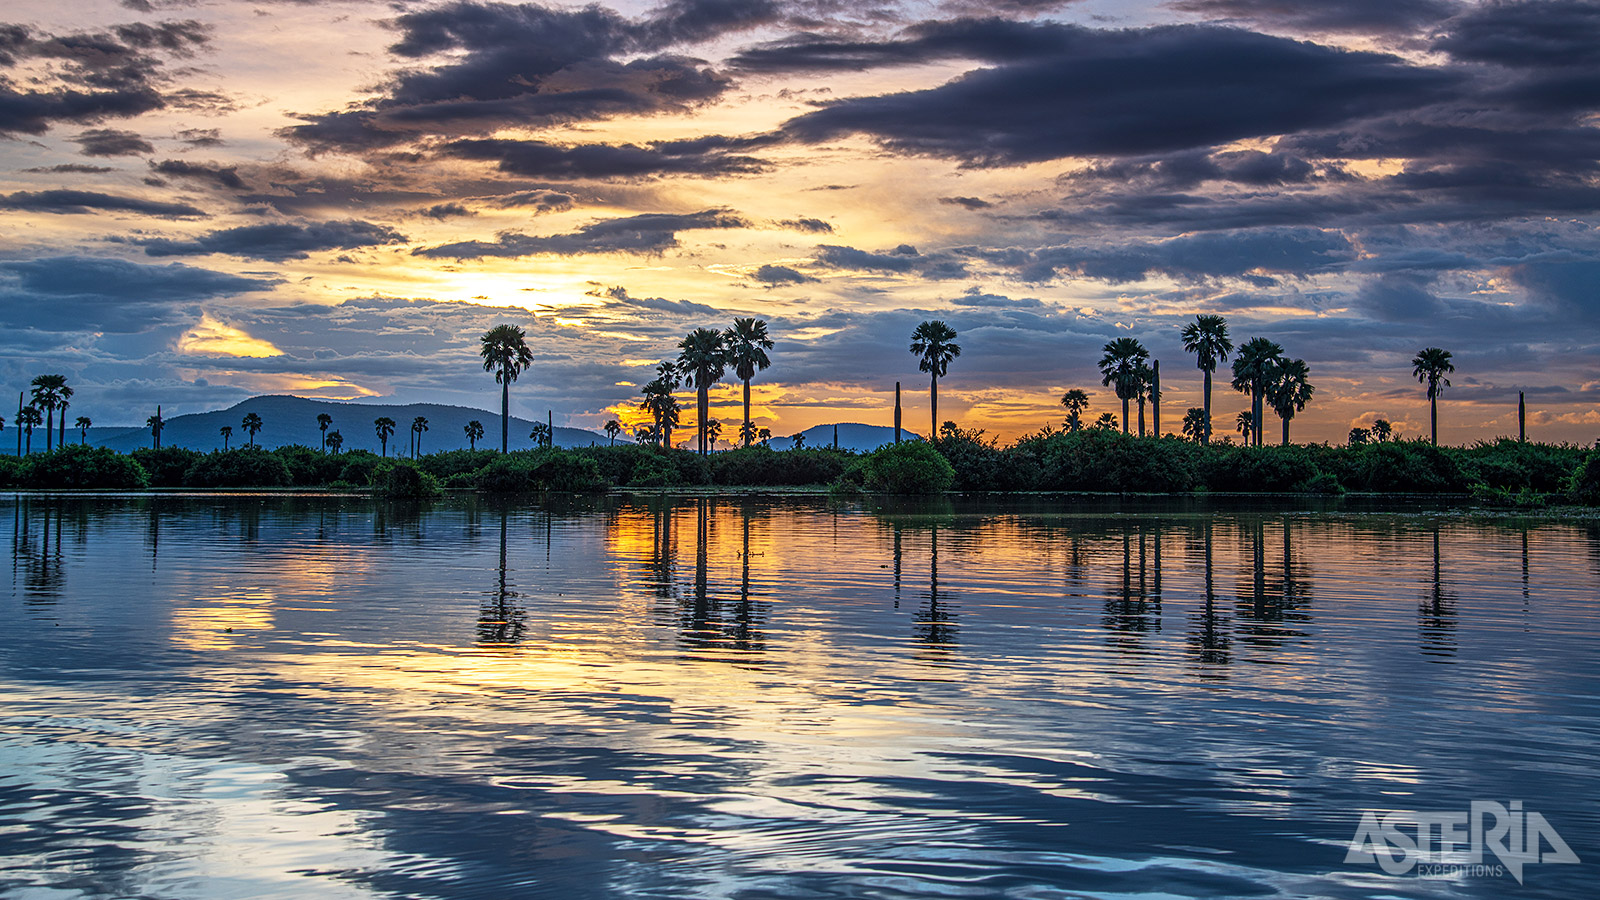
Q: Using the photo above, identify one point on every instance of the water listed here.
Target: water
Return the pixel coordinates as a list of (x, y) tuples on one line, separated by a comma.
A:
[(273, 696)]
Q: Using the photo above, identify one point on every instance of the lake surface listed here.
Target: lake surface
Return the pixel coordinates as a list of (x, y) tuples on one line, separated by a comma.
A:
[(280, 696)]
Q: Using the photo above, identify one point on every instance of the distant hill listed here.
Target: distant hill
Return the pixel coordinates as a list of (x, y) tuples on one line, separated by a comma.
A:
[(852, 436), (293, 420)]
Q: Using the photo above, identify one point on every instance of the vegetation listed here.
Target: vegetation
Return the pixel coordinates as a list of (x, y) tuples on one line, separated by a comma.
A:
[(505, 352), (912, 467), (934, 344), (747, 344), (1207, 338), (1430, 366), (702, 359)]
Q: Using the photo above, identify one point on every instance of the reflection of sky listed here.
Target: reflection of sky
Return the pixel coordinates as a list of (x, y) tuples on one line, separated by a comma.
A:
[(351, 720)]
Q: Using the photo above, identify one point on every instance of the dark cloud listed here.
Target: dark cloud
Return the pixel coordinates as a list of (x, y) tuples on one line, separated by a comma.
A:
[(811, 226), (1116, 93), (201, 137), (71, 168), (222, 176), (539, 201), (1401, 17), (277, 241), (443, 211), (1399, 297), (776, 275), (988, 39), (704, 156), (83, 294), (110, 142), (81, 202), (643, 234), (903, 259), (1256, 255), (972, 203), (1547, 33), (977, 299)]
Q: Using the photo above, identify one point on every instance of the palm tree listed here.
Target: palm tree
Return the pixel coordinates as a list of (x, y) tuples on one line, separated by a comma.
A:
[(61, 407), (385, 427), (1145, 390), (798, 441), (1106, 422), (30, 417), (227, 432), (505, 353), (47, 395), (155, 423), (474, 430), (702, 358), (1195, 424), (1245, 424), (1290, 391), (252, 425), (612, 429), (713, 431), (748, 433), (1076, 401), (764, 435), (82, 424), (1430, 367), (747, 352), (1207, 338), (323, 421), (335, 440), (1381, 429), (1253, 372), (934, 343), (540, 434), (1359, 435), (418, 426), (1122, 367)]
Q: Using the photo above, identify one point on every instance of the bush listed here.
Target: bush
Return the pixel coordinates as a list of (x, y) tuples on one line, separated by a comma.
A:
[(1276, 469), (1407, 467), (541, 470), (1584, 485), (397, 480), (358, 466), (166, 466), (759, 465), (77, 466), (309, 467), (10, 471), (245, 467), (913, 467), (444, 466)]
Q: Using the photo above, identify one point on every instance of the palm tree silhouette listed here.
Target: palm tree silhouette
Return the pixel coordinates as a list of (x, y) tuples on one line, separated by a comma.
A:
[(323, 421), (1195, 424), (1207, 338), (1245, 424), (227, 432), (1121, 367), (798, 440), (47, 395), (385, 427), (1076, 401), (82, 424), (30, 417), (61, 407), (612, 429), (764, 435), (661, 405), (1145, 390), (747, 352), (1290, 391), (540, 434), (474, 430), (505, 352), (702, 358), (749, 433), (1106, 422), (713, 431), (418, 426), (934, 344), (1430, 367), (252, 425), (1381, 429), (156, 423), (1358, 436), (1253, 371), (334, 440)]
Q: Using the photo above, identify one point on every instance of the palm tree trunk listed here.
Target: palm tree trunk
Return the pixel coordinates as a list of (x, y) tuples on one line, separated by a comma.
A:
[(704, 410), (505, 410), (1205, 437), (1124, 415), (933, 393), (50, 426), (1258, 413), (746, 429), (1286, 431), (1141, 417), (1433, 415)]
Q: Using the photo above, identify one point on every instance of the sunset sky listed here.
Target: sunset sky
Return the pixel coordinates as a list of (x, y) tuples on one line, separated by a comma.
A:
[(204, 200)]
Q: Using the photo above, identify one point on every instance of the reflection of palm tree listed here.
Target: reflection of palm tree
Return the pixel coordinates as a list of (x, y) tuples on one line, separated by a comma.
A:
[(747, 352), (82, 424), (252, 424), (1436, 616), (474, 432), (502, 622), (227, 432), (1076, 401), (1430, 367), (1121, 367), (702, 358), (1253, 372), (385, 427), (935, 345), (1290, 391), (935, 625), (323, 421), (505, 352), (1211, 643), (1207, 338)]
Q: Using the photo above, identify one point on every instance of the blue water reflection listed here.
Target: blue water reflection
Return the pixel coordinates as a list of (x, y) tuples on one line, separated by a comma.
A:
[(292, 696)]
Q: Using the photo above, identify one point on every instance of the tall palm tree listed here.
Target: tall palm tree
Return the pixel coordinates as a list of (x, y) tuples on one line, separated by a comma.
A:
[(156, 423), (227, 432), (252, 426), (418, 426), (1121, 366), (1245, 424), (30, 417), (1382, 429), (474, 430), (702, 358), (1145, 390), (934, 344), (764, 435), (1195, 424), (612, 429), (1076, 401), (334, 441), (1253, 371), (323, 421), (1430, 367), (1207, 338), (505, 352), (82, 424), (61, 407), (385, 427), (713, 431), (747, 352), (47, 395), (749, 433), (798, 441), (1290, 391), (540, 434)]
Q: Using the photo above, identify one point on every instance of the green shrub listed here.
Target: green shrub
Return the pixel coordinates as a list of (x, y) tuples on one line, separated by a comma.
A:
[(914, 467), (450, 463), (77, 466), (403, 480), (758, 465), (977, 464), (166, 466), (561, 470), (1408, 467), (245, 467), (1267, 469), (308, 466), (358, 466), (10, 471), (1584, 485)]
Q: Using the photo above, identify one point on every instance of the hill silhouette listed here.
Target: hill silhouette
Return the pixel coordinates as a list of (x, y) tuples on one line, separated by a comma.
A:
[(852, 436)]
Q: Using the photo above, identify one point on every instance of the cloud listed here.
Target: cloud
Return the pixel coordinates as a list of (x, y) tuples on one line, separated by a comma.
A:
[(1250, 254), (277, 241), (110, 142), (70, 202), (811, 226), (222, 176), (903, 259), (703, 157), (776, 275), (1400, 17), (443, 211), (972, 203), (85, 294), (645, 234), (539, 201)]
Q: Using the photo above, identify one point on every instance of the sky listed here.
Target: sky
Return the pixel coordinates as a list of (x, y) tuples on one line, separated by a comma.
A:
[(205, 200)]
